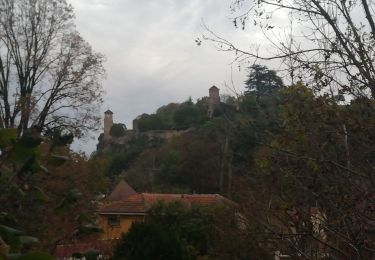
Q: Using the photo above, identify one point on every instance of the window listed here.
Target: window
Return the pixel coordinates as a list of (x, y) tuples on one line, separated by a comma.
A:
[(114, 220)]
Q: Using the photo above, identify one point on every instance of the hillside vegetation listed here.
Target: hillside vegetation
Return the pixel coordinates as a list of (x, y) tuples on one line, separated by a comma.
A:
[(298, 167), (288, 157)]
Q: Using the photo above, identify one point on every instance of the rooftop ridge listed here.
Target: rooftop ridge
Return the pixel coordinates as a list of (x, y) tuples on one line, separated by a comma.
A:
[(120, 192), (189, 194)]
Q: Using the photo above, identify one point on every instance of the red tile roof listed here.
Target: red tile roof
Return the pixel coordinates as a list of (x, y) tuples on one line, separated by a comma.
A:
[(132, 204), (121, 191), (141, 202)]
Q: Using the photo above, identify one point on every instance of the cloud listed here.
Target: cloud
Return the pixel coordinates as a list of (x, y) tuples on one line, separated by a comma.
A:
[(152, 58)]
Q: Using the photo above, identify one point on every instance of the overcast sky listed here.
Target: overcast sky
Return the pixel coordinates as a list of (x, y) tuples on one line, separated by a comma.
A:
[(152, 57)]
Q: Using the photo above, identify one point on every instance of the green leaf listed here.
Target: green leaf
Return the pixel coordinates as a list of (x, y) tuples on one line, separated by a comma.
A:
[(57, 160), (13, 256), (83, 218), (40, 195), (16, 190), (88, 229), (7, 219), (27, 240), (22, 154), (25, 158), (9, 230), (31, 138), (7, 137), (5, 174), (60, 139), (44, 169), (77, 255), (35, 256), (71, 198)]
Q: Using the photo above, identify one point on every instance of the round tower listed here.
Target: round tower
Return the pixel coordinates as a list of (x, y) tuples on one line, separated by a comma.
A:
[(108, 123)]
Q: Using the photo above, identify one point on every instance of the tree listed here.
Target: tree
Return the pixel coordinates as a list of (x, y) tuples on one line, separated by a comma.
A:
[(236, 238), (148, 241), (166, 113), (262, 80), (170, 231), (328, 43), (118, 130), (49, 76), (185, 116), (312, 190), (186, 163), (38, 198), (151, 122)]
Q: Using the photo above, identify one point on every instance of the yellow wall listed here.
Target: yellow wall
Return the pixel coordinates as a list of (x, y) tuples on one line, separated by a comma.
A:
[(115, 232)]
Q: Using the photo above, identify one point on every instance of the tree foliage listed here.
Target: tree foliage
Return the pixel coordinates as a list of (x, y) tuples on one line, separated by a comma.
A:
[(185, 116), (299, 165), (310, 188), (174, 116), (42, 204), (170, 230), (151, 122), (313, 178), (187, 163), (117, 130), (262, 80), (148, 240), (49, 92)]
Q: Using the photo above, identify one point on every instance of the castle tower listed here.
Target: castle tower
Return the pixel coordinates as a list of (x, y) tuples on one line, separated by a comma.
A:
[(213, 100), (108, 123), (135, 124)]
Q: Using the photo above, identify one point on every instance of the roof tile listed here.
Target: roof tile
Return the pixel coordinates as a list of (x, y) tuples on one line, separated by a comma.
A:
[(141, 202), (120, 192)]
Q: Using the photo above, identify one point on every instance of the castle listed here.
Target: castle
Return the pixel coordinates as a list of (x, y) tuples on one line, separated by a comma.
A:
[(213, 105)]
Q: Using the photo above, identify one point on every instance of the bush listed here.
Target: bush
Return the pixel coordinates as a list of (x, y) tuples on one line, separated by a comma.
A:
[(148, 241), (185, 117), (151, 122), (117, 130), (170, 231)]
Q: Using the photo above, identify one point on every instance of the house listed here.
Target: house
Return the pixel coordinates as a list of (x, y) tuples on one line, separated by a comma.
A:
[(119, 210), (117, 215)]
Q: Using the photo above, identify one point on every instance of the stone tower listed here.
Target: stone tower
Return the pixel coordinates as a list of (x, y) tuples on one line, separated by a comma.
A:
[(213, 100), (108, 123)]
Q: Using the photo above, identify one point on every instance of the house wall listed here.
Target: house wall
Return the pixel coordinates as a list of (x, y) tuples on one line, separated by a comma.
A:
[(115, 232)]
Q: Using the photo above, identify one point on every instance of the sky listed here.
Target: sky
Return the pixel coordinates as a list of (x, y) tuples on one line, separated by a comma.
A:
[(152, 58)]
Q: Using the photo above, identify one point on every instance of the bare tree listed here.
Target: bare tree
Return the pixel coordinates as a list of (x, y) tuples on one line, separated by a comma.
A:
[(331, 44), (49, 76)]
